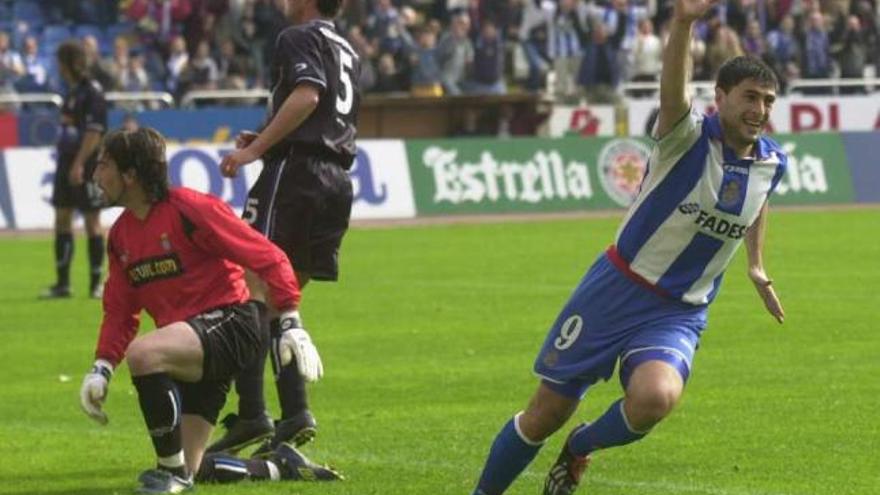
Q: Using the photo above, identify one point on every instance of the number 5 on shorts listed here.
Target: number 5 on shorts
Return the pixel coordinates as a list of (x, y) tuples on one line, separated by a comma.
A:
[(250, 211)]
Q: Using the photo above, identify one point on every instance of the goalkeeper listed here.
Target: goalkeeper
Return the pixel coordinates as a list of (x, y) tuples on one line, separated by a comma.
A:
[(180, 255)]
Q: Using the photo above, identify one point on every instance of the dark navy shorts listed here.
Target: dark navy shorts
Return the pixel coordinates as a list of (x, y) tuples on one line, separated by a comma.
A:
[(303, 205), (85, 197), (610, 319)]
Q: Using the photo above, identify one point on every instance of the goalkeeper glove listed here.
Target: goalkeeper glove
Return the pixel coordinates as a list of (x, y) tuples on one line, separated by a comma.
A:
[(295, 342), (94, 390)]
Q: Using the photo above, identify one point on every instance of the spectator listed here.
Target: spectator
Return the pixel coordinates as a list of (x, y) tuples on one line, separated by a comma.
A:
[(232, 69), (647, 56), (202, 23), (134, 77), (456, 54), (785, 52), (201, 71), (426, 76), (487, 74), (11, 65), (96, 68), (117, 64), (178, 58), (159, 20), (723, 46), (817, 62), (130, 123), (533, 34), (599, 72), (621, 18), (567, 37), (852, 54), (389, 79), (871, 25), (754, 42), (367, 54), (35, 79)]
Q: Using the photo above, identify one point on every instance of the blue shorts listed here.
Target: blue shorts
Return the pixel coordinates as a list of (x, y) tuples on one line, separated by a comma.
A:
[(611, 318)]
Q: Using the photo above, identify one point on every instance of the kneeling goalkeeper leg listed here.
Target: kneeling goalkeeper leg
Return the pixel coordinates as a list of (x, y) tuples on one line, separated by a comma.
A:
[(160, 404), (285, 463)]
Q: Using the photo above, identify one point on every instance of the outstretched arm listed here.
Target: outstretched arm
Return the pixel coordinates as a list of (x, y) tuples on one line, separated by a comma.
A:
[(674, 98), (763, 283)]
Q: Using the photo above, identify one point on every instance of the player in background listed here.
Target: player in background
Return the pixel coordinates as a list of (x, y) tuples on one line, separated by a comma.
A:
[(178, 254), (301, 200), (83, 122), (643, 303)]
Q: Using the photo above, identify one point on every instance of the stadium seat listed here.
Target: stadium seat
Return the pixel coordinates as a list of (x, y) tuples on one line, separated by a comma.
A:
[(84, 30), (120, 29), (30, 12), (53, 36)]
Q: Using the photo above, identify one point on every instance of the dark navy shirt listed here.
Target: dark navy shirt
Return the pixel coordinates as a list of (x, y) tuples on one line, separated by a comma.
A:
[(314, 53)]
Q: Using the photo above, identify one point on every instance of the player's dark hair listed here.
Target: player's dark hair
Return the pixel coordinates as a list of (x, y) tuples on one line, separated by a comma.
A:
[(143, 151), (738, 69), (329, 8), (72, 56)]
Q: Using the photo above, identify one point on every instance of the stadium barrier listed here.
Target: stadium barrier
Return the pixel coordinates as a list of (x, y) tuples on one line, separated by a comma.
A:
[(407, 118), (395, 179)]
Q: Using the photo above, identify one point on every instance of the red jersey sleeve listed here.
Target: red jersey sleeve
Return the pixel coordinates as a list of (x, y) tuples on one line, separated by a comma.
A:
[(121, 312), (221, 232)]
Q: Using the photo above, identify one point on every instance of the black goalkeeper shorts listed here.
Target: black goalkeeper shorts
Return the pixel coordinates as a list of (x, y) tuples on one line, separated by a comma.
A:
[(232, 337), (303, 205)]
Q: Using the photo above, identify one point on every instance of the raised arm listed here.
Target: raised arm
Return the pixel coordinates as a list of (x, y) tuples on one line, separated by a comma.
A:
[(674, 98)]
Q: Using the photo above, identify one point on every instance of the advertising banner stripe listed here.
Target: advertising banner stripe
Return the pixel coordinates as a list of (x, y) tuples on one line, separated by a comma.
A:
[(6, 210), (861, 154)]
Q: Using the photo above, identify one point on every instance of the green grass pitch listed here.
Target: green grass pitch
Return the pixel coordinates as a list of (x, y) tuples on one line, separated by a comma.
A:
[(428, 342)]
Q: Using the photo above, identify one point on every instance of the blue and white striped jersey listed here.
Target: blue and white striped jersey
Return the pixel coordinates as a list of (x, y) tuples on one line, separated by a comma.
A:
[(695, 203)]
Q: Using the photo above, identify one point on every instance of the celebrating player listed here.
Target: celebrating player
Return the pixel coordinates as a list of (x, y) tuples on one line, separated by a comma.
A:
[(644, 302), (83, 122), (179, 254), (301, 201)]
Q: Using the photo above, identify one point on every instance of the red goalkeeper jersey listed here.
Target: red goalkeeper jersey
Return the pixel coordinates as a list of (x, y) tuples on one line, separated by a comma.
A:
[(184, 259)]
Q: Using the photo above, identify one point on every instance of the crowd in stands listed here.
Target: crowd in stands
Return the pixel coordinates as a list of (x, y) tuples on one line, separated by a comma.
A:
[(568, 48)]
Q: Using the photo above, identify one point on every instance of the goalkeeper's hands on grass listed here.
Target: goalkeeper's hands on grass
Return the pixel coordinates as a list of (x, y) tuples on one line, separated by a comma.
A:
[(296, 342), (94, 390)]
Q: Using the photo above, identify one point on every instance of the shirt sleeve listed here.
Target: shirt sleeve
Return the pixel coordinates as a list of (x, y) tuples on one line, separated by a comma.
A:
[(221, 232), (680, 138), (121, 312), (301, 57)]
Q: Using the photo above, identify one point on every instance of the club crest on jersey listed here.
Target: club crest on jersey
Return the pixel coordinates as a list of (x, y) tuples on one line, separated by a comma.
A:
[(732, 192), (622, 165), (164, 242), (153, 269)]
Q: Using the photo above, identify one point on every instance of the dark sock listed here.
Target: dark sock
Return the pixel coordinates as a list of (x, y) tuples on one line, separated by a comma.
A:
[(223, 468), (249, 383), (96, 259), (63, 255), (290, 384), (160, 405)]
